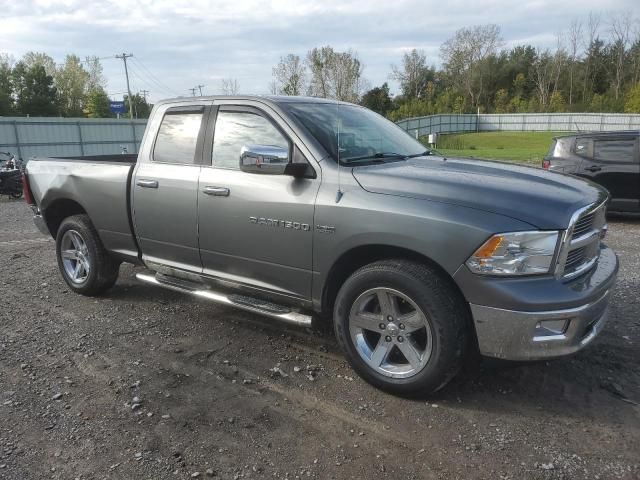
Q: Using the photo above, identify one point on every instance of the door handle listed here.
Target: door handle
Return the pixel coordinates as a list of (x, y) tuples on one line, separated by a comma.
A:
[(216, 191), (147, 183), (594, 168)]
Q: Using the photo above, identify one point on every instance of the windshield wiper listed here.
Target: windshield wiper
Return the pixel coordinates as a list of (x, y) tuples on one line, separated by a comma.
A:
[(426, 153), (376, 156)]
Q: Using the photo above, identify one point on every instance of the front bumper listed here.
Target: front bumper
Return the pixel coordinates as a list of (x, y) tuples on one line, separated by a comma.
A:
[(576, 310), (514, 335)]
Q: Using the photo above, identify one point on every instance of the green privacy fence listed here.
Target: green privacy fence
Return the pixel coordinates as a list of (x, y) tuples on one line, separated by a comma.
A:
[(520, 122), (29, 137)]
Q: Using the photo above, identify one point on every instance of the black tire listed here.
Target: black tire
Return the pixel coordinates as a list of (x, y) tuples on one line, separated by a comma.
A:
[(103, 271), (441, 304)]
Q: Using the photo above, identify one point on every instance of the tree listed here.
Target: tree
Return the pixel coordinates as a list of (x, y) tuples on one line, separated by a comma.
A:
[(96, 103), (575, 34), (593, 24), (377, 99), (414, 74), (6, 86), (557, 102), (620, 27), (501, 101), (464, 57), (141, 109), (71, 82), (229, 86), (31, 59), (632, 100), (334, 74), (35, 93), (95, 73), (290, 76)]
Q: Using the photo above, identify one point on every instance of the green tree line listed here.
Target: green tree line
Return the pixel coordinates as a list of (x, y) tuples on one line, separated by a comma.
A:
[(37, 86), (594, 67)]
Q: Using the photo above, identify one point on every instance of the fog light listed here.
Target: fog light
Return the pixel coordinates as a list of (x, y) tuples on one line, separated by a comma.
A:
[(546, 329)]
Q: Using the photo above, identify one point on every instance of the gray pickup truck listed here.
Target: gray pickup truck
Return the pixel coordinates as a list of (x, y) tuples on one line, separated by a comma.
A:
[(299, 207)]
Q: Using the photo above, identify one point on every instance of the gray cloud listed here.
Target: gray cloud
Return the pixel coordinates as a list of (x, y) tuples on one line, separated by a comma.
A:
[(181, 44)]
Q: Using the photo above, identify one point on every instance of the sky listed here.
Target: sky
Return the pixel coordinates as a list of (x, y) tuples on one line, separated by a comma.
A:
[(178, 45)]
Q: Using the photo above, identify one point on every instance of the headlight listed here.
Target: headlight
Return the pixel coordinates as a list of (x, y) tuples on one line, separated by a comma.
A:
[(518, 253)]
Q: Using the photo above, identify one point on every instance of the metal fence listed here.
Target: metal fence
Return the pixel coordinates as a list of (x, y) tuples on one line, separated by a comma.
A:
[(520, 122), (29, 137)]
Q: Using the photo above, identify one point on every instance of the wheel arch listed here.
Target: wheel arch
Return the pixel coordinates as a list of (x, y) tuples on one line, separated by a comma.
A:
[(359, 256), (58, 210)]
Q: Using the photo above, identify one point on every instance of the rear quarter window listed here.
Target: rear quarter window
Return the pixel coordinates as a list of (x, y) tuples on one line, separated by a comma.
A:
[(583, 147)]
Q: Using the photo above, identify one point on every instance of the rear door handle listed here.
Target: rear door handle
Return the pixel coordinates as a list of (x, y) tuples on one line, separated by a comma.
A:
[(147, 183), (594, 168), (216, 191)]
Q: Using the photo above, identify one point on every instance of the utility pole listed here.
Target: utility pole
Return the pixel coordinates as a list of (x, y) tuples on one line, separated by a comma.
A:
[(193, 91), (200, 88), (144, 94), (124, 57)]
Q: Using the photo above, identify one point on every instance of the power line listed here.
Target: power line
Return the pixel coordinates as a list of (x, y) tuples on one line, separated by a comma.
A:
[(144, 94), (200, 88), (147, 81), (155, 79), (124, 57), (193, 91)]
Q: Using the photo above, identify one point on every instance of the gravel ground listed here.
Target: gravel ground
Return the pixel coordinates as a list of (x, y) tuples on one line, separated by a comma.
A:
[(148, 383)]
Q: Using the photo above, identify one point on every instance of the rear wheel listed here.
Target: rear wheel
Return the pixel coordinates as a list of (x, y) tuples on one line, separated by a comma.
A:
[(402, 327), (84, 263)]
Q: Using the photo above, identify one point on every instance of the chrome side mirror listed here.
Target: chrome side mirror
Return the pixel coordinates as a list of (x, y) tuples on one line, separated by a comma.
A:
[(265, 159)]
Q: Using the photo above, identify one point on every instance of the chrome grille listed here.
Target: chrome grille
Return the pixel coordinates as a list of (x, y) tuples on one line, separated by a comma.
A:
[(581, 246), (584, 224)]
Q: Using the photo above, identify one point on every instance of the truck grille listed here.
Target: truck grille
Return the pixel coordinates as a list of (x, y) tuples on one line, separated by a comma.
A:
[(581, 248)]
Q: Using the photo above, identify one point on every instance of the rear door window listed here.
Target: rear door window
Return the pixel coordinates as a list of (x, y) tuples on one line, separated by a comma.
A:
[(621, 150), (584, 147), (178, 137)]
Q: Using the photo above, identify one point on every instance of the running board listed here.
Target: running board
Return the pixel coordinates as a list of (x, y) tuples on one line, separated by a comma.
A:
[(242, 302)]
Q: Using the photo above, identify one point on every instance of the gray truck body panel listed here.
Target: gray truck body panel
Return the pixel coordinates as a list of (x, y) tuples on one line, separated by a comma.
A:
[(283, 237)]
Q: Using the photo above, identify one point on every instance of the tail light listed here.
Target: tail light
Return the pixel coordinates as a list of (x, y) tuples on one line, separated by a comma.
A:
[(546, 164), (26, 190)]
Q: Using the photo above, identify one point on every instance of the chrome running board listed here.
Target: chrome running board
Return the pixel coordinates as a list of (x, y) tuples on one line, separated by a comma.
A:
[(242, 302)]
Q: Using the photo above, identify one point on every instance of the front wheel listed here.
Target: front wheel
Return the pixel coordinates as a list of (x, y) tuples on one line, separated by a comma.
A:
[(402, 326), (84, 263)]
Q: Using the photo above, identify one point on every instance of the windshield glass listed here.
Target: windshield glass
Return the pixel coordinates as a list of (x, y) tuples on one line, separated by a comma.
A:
[(355, 134)]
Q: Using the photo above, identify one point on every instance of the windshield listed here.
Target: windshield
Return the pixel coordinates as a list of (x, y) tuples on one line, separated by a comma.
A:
[(355, 134)]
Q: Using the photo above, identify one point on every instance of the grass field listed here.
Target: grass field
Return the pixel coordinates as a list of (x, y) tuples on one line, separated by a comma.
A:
[(520, 147)]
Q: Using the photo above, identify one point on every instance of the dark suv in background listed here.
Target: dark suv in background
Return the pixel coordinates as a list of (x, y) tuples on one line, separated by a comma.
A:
[(611, 159)]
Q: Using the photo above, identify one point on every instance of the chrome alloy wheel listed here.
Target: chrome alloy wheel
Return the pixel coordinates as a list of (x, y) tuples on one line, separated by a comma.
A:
[(75, 256), (390, 332)]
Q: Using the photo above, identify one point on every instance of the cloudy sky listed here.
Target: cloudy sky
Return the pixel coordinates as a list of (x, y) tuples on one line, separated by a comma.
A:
[(178, 45)]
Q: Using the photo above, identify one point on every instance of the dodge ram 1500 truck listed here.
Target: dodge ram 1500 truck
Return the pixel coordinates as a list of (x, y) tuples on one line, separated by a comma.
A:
[(293, 207)]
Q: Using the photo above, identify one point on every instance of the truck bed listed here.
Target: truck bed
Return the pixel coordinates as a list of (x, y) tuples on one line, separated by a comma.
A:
[(98, 185)]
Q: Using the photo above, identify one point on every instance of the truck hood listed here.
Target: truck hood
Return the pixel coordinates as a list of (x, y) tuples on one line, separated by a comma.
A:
[(543, 199)]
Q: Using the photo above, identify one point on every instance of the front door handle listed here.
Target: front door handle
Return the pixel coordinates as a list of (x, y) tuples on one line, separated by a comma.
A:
[(594, 168), (147, 183), (216, 191)]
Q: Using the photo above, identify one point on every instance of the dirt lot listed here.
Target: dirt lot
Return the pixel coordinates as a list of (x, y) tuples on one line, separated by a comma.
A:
[(207, 401)]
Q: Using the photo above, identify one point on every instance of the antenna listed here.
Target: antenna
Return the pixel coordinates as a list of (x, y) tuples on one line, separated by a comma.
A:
[(339, 193)]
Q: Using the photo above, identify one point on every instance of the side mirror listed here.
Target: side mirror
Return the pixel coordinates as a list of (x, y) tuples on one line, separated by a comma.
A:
[(265, 159)]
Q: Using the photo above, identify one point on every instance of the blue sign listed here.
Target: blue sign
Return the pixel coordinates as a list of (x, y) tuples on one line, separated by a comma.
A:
[(117, 107)]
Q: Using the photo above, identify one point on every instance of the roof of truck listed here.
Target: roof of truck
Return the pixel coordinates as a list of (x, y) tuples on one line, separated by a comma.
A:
[(277, 99)]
